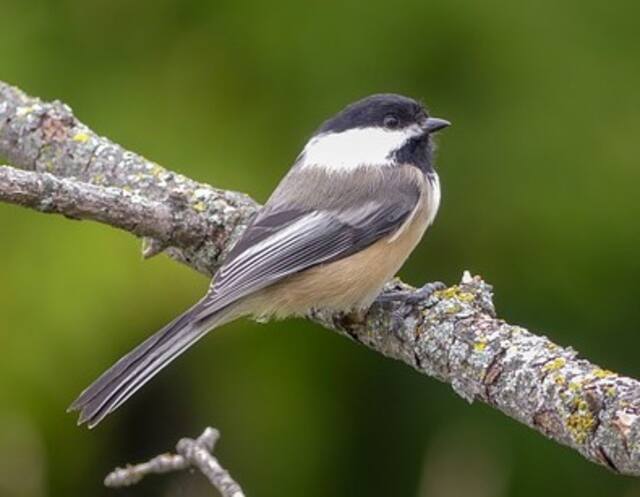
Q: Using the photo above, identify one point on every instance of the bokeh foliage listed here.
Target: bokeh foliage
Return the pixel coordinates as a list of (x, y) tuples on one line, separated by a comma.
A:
[(540, 174)]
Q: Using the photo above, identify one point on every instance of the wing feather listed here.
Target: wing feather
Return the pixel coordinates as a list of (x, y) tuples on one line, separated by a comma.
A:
[(284, 242)]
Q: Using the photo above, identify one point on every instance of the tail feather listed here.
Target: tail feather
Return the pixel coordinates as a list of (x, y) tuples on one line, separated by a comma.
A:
[(130, 373), (109, 399), (128, 362)]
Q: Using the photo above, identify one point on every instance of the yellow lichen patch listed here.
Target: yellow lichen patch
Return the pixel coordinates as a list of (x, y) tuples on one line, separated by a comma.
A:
[(447, 293), (580, 425), (575, 386), (581, 405), (480, 346), (555, 365), (80, 137), (603, 373), (156, 170), (465, 296), (454, 292), (98, 178), (559, 380), (199, 206), (611, 391)]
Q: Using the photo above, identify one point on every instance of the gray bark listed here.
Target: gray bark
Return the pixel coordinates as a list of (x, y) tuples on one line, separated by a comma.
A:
[(453, 336)]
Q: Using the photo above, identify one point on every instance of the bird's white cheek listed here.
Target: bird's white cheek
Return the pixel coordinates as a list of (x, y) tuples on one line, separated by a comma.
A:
[(354, 148)]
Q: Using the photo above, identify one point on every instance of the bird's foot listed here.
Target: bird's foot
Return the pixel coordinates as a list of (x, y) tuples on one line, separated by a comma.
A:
[(411, 297)]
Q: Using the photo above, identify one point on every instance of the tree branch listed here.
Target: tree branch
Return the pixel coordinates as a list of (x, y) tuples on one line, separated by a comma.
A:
[(47, 138), (113, 206), (191, 453), (453, 336)]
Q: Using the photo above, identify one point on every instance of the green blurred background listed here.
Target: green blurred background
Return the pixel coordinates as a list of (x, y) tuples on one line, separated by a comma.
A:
[(540, 175)]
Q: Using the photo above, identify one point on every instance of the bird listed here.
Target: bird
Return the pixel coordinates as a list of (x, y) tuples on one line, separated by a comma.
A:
[(339, 225)]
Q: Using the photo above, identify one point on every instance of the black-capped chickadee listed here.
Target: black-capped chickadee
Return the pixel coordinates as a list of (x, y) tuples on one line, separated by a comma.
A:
[(338, 227)]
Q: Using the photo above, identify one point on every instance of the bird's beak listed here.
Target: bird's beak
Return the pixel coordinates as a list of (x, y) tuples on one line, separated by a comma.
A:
[(434, 124)]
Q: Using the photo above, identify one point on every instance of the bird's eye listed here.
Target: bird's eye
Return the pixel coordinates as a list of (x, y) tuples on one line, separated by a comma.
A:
[(390, 121)]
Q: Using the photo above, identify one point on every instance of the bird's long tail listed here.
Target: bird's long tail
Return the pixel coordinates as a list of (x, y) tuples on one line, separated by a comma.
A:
[(136, 368)]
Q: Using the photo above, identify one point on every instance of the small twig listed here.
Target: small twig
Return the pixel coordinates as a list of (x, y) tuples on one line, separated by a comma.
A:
[(198, 453), (191, 453)]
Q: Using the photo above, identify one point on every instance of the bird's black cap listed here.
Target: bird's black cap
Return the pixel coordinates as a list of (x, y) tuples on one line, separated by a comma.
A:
[(374, 110)]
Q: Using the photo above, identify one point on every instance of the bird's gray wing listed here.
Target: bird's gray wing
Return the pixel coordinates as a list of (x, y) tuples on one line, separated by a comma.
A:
[(283, 242), (280, 242)]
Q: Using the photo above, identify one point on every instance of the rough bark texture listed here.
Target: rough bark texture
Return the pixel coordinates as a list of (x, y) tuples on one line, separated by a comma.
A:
[(454, 335)]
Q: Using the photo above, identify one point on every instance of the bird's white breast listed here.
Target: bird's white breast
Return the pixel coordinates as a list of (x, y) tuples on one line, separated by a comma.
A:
[(433, 196), (425, 210)]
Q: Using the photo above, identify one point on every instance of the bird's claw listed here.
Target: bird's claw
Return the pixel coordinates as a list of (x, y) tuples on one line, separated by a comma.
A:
[(411, 297)]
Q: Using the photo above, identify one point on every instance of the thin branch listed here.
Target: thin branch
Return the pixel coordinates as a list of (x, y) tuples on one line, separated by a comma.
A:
[(109, 205), (191, 453), (454, 335)]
